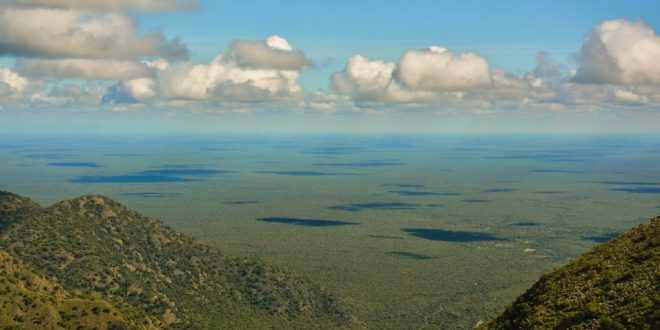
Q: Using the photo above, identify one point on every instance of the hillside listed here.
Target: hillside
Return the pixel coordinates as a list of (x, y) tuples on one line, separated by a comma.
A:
[(93, 244), (29, 301), (616, 285)]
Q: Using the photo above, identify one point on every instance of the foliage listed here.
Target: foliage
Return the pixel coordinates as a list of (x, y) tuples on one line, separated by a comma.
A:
[(29, 300), (614, 286), (93, 244)]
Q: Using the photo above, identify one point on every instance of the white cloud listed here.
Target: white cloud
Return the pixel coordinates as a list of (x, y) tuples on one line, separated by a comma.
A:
[(135, 91), (14, 87), (277, 42), (139, 89), (76, 39), (143, 5), (503, 87), (83, 68), (15, 82), (87, 95), (365, 79), (225, 79), (438, 69), (228, 78), (159, 64), (73, 33), (274, 53), (620, 52), (86, 39), (631, 97), (419, 76), (545, 68), (438, 80)]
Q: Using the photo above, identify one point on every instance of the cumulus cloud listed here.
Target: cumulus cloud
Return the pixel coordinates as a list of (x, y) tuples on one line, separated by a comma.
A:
[(438, 79), (86, 95), (504, 86), (13, 81), (83, 68), (365, 79), (438, 69), (546, 86), (627, 96), (618, 68), (273, 53), (142, 5), (55, 33), (620, 52), (130, 91), (545, 68), (87, 39), (226, 78), (223, 78), (419, 75), (139, 89), (15, 88)]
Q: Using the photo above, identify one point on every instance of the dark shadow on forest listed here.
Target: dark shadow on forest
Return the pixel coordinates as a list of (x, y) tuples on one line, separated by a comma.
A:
[(306, 222), (450, 236), (152, 194), (303, 173), (476, 201), (423, 193), (374, 163), (374, 206), (408, 255), (499, 190), (74, 164), (526, 224), (385, 237), (602, 238)]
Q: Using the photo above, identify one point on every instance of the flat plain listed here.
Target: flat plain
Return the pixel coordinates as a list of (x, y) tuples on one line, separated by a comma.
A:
[(409, 230)]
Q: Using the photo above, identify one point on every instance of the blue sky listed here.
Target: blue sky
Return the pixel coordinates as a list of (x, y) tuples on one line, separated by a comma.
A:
[(508, 33), (431, 66)]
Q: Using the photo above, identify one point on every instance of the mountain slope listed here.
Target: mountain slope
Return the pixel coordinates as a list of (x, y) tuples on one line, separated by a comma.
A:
[(616, 285), (94, 244), (29, 301)]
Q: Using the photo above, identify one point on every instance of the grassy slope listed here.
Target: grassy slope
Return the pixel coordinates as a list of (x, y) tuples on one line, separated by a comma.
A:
[(93, 244), (30, 301), (616, 285)]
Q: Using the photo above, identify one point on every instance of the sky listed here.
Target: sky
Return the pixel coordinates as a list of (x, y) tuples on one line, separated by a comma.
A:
[(186, 66)]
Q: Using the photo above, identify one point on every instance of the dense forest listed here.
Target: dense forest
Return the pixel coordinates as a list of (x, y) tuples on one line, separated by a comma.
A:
[(616, 285), (90, 262), (92, 245)]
